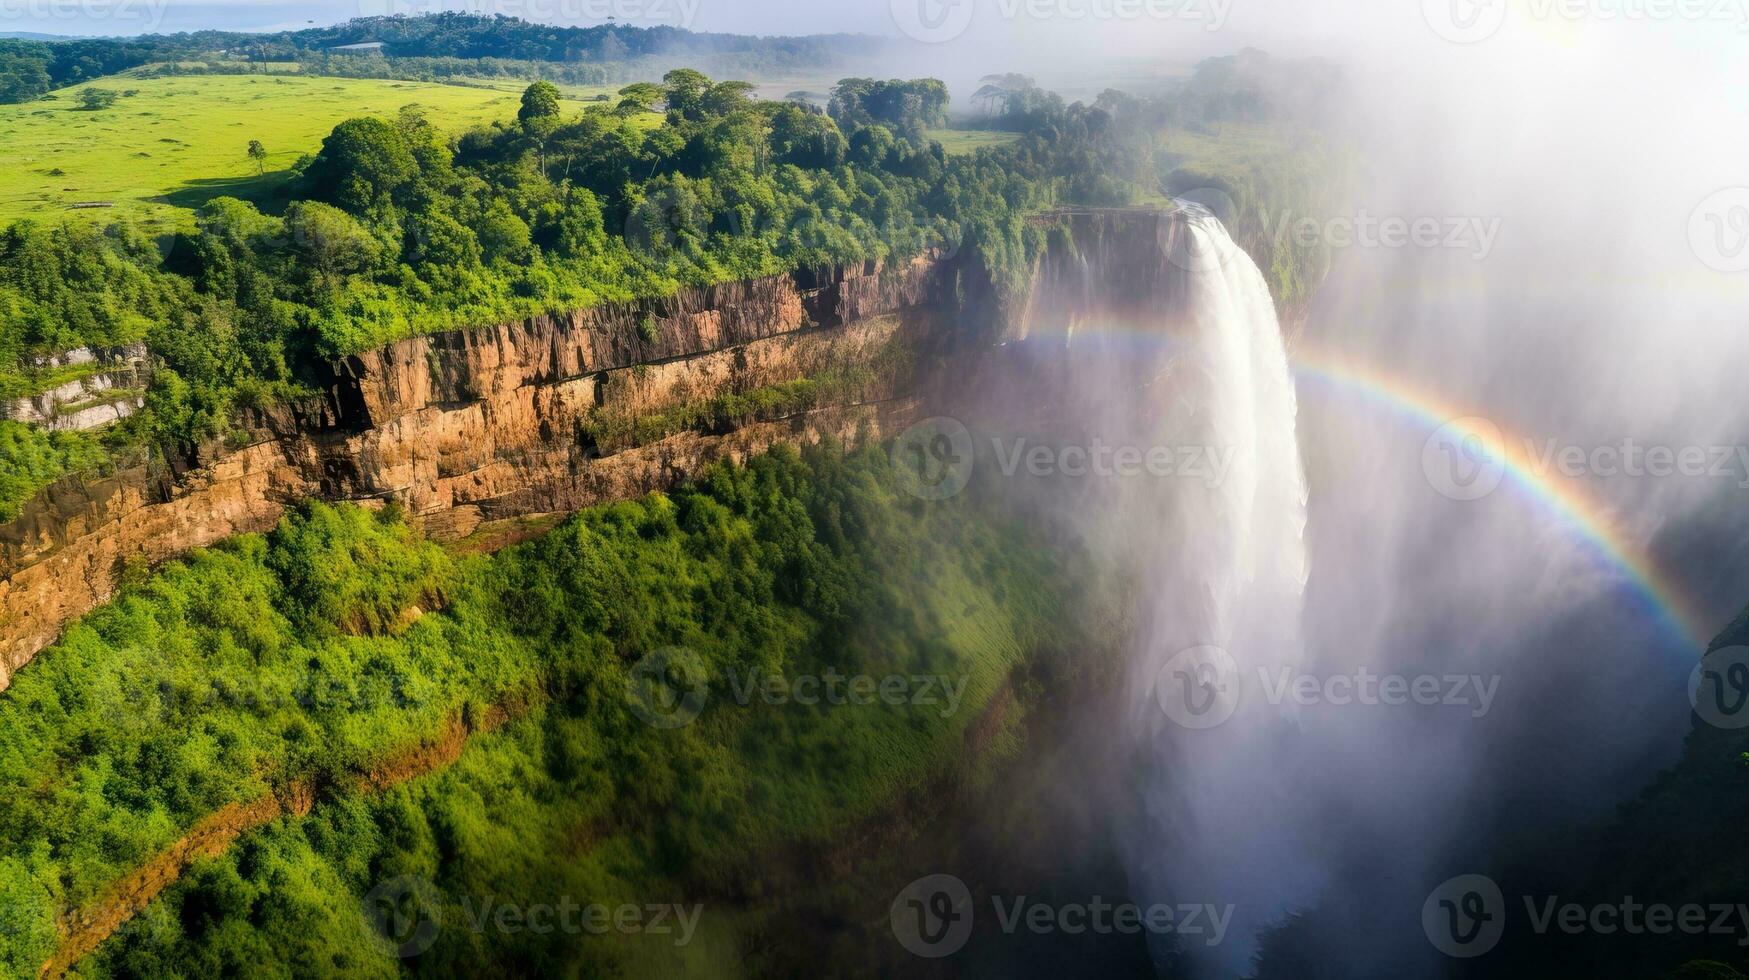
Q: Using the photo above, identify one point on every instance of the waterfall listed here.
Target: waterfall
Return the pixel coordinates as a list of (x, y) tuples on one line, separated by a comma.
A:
[(1221, 598), (1159, 332)]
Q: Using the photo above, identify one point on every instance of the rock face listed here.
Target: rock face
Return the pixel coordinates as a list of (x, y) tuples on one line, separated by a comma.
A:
[(468, 426), (112, 390), (476, 425)]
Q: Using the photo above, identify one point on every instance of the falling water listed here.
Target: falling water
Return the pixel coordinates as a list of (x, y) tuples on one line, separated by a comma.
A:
[(1164, 335), (1221, 601)]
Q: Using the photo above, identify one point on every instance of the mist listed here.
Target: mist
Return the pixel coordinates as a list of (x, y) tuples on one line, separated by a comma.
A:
[(1581, 295)]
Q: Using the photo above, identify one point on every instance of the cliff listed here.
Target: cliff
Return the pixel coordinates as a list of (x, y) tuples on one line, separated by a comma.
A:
[(470, 426), (108, 389)]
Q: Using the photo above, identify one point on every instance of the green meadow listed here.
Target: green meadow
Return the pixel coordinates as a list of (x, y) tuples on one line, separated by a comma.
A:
[(969, 140), (159, 153)]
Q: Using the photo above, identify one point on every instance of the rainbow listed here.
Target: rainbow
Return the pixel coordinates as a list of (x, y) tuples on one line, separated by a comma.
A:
[(1590, 518)]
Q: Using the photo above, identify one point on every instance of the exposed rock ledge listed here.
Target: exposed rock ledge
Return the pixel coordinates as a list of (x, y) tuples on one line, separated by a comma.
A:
[(107, 394), (467, 426)]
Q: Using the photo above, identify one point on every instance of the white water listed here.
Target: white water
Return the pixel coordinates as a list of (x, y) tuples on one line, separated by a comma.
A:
[(1230, 571)]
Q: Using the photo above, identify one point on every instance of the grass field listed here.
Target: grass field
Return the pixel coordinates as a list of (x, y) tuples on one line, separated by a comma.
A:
[(582, 93), (179, 141), (967, 140)]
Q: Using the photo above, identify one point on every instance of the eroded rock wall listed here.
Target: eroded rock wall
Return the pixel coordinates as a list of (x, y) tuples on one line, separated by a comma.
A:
[(469, 426), (466, 426)]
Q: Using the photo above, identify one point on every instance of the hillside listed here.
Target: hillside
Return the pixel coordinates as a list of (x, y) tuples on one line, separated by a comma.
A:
[(170, 144), (431, 46), (320, 663)]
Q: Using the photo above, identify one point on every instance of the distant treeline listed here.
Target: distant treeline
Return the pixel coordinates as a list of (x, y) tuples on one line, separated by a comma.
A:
[(1250, 86), (441, 70), (436, 45), (464, 70)]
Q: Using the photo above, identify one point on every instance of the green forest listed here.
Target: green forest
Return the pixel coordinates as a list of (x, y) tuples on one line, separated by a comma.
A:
[(393, 229), (306, 656)]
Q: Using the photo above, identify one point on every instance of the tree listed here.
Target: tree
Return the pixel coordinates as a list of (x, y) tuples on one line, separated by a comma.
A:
[(724, 98), (639, 97), (329, 239), (502, 234), (988, 96), (429, 147), (805, 139), (871, 145), (258, 153), (906, 107), (93, 99), (539, 101), (662, 145), (598, 151), (578, 228), (539, 117), (361, 163), (686, 89), (441, 241)]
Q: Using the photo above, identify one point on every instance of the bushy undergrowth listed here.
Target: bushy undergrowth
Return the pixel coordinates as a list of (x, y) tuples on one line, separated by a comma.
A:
[(31, 459), (294, 656)]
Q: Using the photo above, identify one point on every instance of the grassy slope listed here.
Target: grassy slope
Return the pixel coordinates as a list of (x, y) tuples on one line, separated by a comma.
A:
[(962, 141), (180, 141), (584, 93)]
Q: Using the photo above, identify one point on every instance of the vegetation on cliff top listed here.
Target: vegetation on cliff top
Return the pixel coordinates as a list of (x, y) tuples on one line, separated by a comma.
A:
[(395, 228)]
